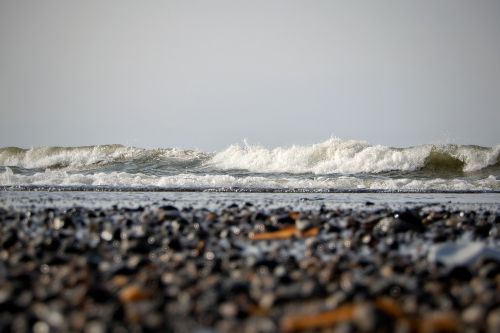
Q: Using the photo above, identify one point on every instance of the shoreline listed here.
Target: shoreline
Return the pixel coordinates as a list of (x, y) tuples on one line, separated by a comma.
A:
[(249, 267), (108, 188)]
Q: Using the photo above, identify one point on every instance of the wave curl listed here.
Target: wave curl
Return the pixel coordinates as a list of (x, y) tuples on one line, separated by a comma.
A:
[(336, 156)]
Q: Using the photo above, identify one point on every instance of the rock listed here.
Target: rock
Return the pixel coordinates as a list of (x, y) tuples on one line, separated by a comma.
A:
[(474, 315), (365, 317), (95, 327), (462, 254), (169, 208), (294, 215), (228, 310), (303, 322), (248, 268), (283, 219), (398, 225), (412, 218), (285, 233), (302, 224), (443, 321), (460, 273), (10, 239), (100, 295), (493, 321), (175, 244), (133, 293)]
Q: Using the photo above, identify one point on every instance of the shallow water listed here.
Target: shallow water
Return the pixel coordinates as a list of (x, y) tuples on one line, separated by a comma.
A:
[(216, 200)]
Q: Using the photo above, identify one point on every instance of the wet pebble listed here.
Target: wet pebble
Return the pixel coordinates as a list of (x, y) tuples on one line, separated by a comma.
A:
[(161, 269)]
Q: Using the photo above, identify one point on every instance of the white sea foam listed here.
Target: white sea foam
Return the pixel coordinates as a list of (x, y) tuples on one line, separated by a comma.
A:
[(347, 157), (46, 157), (218, 181), (71, 158)]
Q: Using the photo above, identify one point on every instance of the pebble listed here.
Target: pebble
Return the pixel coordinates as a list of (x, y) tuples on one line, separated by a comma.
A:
[(493, 321), (248, 268), (133, 293), (463, 254)]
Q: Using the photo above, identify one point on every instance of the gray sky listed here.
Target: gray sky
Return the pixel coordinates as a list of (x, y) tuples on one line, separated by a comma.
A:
[(206, 74)]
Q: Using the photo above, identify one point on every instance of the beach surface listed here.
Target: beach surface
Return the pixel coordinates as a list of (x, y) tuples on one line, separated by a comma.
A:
[(251, 262)]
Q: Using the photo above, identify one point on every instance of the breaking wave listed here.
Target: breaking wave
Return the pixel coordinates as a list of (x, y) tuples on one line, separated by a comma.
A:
[(333, 164), (188, 181), (75, 158), (334, 156)]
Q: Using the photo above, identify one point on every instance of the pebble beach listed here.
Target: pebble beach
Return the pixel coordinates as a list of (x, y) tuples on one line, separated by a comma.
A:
[(249, 167), (249, 267)]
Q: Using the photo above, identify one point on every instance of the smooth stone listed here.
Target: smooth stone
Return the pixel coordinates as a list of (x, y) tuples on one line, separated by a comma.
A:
[(493, 321), (474, 315), (400, 223), (455, 254)]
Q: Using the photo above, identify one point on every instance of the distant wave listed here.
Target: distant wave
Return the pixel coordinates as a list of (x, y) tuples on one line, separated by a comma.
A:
[(75, 158), (333, 156), (352, 156)]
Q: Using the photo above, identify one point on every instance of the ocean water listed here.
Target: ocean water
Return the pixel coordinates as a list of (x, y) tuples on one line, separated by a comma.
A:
[(334, 165), (40, 199)]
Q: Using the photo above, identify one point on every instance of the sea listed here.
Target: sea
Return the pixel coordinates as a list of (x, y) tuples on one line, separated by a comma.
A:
[(335, 165), (335, 173)]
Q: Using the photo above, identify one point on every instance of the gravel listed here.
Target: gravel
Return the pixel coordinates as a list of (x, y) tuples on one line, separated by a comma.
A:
[(248, 268)]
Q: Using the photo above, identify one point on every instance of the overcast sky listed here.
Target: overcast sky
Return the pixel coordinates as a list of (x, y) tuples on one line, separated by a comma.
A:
[(205, 74)]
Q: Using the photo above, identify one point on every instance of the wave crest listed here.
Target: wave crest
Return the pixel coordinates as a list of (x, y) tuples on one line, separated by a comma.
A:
[(336, 156), (333, 156), (74, 158)]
